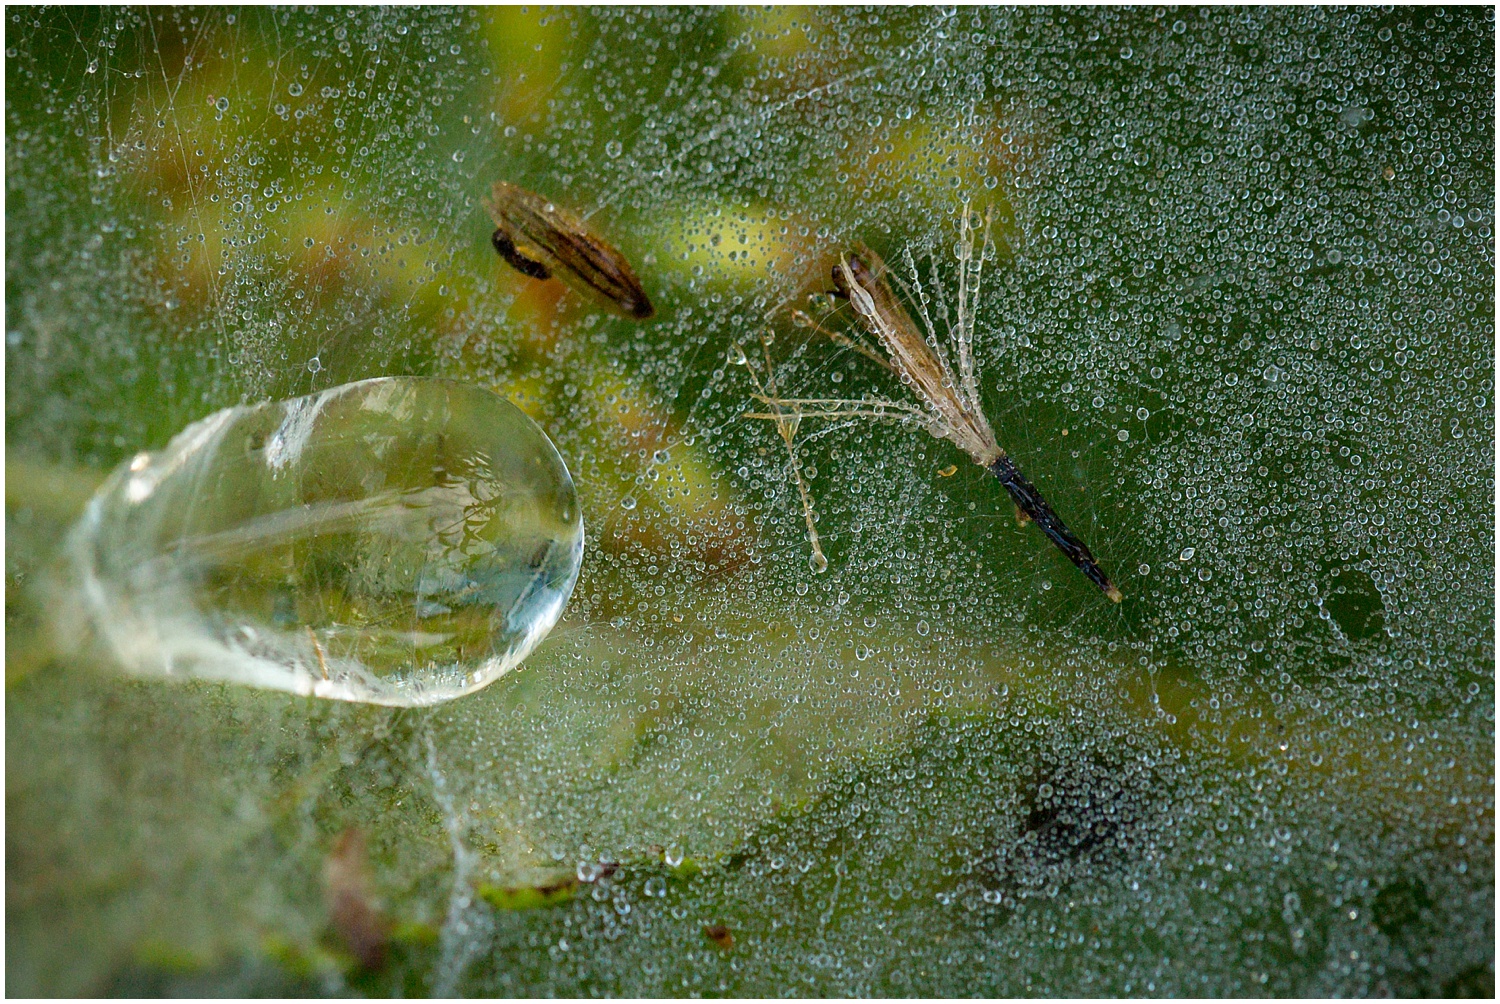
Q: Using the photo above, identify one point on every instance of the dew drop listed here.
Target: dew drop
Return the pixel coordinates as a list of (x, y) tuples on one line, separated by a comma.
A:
[(817, 562), (308, 545)]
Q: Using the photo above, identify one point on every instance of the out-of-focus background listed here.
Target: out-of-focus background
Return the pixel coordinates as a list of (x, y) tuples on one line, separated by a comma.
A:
[(1239, 329)]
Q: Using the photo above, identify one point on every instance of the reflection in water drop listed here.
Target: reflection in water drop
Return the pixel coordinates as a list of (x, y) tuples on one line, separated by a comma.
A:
[(398, 541)]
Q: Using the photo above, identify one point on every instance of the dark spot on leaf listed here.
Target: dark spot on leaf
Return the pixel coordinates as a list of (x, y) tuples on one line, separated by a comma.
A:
[(1476, 981), (1081, 819), (1355, 605), (1399, 905)]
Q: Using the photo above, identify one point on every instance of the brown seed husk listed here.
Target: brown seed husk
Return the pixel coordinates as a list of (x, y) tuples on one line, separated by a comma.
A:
[(538, 238)]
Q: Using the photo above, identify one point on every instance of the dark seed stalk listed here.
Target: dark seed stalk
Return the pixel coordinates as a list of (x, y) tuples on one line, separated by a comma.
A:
[(1035, 506)]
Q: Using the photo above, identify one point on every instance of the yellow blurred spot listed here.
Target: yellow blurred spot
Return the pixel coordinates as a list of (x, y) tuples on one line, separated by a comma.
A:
[(526, 47), (736, 245), (779, 32)]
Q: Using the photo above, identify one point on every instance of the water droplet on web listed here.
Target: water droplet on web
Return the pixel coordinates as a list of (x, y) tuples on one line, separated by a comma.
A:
[(397, 541), (817, 562), (1186, 555), (613, 148)]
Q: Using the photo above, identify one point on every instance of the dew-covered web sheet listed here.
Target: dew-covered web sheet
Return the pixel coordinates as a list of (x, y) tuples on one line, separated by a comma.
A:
[(1238, 327)]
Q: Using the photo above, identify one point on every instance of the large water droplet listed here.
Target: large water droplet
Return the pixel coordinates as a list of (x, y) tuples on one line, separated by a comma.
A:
[(398, 541)]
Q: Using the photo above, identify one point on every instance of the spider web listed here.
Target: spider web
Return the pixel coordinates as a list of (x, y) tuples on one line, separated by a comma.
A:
[(1239, 332)]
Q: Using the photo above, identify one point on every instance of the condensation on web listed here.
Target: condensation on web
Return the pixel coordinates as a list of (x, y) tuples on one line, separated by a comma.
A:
[(1237, 328)]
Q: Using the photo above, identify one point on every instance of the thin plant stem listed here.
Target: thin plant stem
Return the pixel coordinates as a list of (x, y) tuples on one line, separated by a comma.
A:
[(786, 426)]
